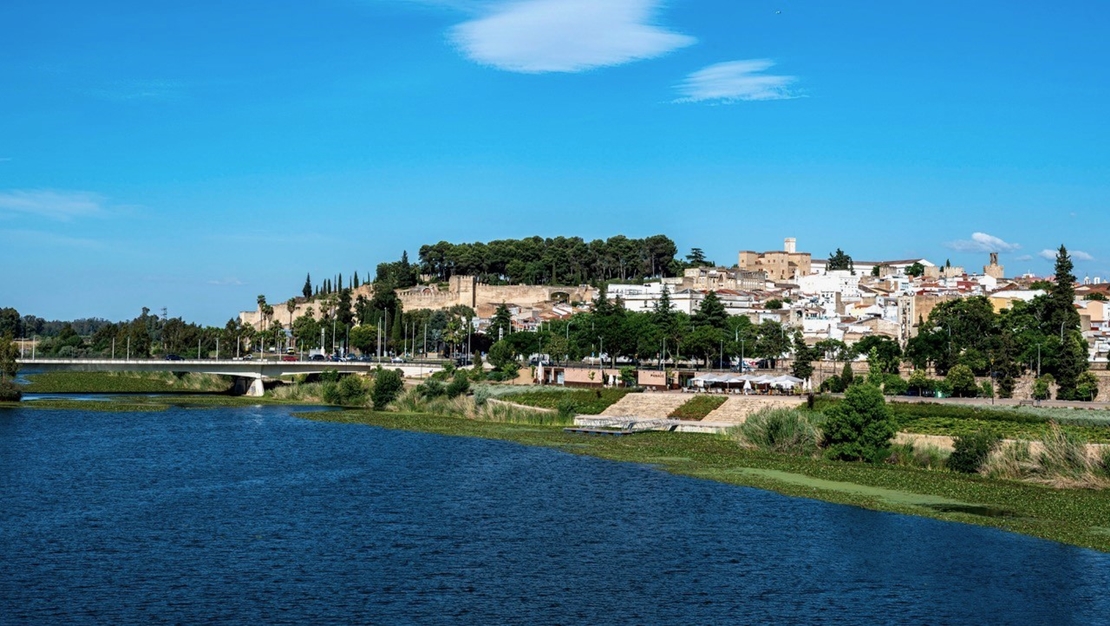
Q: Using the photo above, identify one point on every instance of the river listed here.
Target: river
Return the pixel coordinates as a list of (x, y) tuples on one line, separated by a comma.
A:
[(238, 515)]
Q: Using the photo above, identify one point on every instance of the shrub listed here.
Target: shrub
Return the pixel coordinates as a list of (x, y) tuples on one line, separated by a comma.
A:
[(628, 376), (788, 431), (387, 386), (431, 388), (1041, 387), (482, 393), (329, 376), (1104, 462), (894, 385), (349, 391), (1086, 387), (1064, 454), (460, 384), (1013, 460), (832, 384), (860, 427), (10, 392), (972, 451), (986, 389), (909, 455), (962, 380), (1006, 386), (919, 381), (847, 377), (567, 408)]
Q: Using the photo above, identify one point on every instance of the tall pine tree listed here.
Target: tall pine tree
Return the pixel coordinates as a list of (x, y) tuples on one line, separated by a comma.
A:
[(1062, 317)]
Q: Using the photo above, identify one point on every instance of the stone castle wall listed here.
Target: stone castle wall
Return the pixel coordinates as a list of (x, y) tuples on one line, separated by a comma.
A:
[(462, 290)]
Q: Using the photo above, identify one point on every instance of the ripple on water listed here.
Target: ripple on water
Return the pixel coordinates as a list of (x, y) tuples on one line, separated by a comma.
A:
[(250, 514)]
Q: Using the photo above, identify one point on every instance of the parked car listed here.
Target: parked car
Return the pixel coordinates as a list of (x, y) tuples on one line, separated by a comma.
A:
[(317, 357), (289, 357), (173, 357), (397, 359)]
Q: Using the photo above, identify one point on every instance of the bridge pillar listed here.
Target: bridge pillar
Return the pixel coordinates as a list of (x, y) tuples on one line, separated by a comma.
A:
[(247, 386)]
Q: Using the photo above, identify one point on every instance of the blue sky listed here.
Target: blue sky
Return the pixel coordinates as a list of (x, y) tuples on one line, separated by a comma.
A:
[(193, 155)]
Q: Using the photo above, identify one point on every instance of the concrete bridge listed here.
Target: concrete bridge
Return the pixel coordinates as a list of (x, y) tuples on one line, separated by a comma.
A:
[(247, 375)]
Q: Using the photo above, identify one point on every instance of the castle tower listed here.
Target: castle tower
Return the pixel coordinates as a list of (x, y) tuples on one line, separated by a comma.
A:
[(790, 245), (994, 270)]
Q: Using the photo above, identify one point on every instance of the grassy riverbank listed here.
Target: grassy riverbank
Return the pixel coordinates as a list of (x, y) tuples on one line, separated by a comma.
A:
[(1075, 516)]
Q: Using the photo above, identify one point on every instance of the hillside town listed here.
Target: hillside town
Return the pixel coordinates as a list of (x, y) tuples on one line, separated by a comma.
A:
[(881, 298)]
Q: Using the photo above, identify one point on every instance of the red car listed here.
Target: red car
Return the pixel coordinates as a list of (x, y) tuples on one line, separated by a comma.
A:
[(288, 357)]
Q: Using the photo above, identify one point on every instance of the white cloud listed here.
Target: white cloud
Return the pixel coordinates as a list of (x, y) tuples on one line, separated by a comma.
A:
[(982, 242), (62, 206), (223, 282), (38, 238), (1024, 257), (535, 36), (1076, 255), (734, 81)]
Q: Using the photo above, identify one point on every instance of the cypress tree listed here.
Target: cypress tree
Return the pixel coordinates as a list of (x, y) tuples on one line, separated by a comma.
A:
[(307, 289), (1062, 317)]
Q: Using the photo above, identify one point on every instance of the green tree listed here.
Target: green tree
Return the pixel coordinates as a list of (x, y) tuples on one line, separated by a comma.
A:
[(962, 381), (306, 291), (9, 367), (711, 312), (502, 323), (1041, 387), (696, 258), (919, 382), (1086, 387), (388, 384), (364, 338), (772, 341), (839, 261), (502, 354), (916, 270), (10, 322), (847, 376), (9, 352), (860, 427), (803, 358)]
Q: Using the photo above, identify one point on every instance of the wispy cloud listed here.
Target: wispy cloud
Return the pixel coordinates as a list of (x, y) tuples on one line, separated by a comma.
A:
[(1076, 255), (63, 206), (1024, 257), (982, 242), (535, 36), (736, 81), (133, 90), (225, 282), (41, 239)]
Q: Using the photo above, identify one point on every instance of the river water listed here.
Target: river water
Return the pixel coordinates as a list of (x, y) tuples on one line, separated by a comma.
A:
[(240, 515)]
